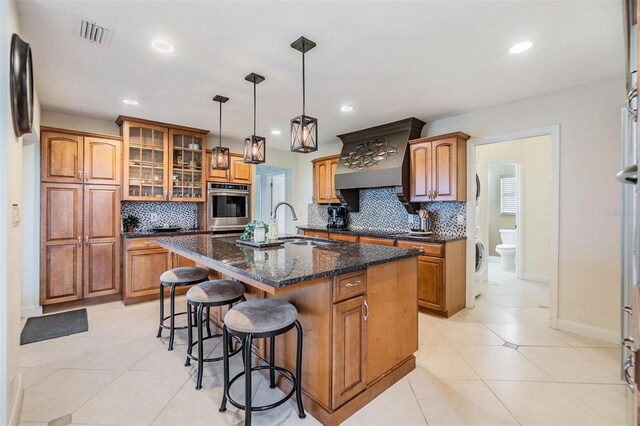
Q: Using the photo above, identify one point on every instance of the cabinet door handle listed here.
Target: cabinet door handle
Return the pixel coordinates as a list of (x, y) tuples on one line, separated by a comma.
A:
[(86, 240), (366, 310), (357, 283), (629, 363), (86, 176), (628, 342), (79, 175), (627, 310), (435, 194), (79, 241), (429, 194)]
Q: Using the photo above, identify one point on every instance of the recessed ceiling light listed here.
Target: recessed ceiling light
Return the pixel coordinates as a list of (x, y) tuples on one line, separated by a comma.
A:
[(523, 46), (130, 102), (276, 132), (346, 108), (162, 46)]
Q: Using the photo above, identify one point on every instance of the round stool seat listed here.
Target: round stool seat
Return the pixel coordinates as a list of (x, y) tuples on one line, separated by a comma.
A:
[(261, 316), (215, 292), (183, 275)]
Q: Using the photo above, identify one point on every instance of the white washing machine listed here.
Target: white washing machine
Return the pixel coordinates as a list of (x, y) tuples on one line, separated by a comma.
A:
[(481, 265)]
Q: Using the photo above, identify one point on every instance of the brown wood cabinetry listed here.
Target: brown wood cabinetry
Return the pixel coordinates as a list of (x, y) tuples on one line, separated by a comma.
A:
[(143, 268), (376, 240), (162, 161), (441, 276), (324, 187), (80, 216), (239, 171), (343, 237), (438, 168), (349, 349), (61, 243), (75, 157), (101, 240), (316, 234)]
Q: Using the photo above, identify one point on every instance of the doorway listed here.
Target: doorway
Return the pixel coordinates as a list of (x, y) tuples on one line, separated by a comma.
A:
[(516, 219), (273, 185)]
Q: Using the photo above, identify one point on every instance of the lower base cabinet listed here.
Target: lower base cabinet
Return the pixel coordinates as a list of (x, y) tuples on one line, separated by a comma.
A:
[(144, 261), (441, 276)]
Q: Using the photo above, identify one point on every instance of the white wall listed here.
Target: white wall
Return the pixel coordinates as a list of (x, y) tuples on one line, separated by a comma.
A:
[(589, 235), (11, 234), (534, 155)]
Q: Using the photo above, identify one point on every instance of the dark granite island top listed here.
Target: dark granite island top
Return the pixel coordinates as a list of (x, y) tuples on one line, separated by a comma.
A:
[(275, 268)]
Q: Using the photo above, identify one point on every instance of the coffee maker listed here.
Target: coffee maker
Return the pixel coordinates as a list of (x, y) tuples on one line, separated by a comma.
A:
[(337, 217)]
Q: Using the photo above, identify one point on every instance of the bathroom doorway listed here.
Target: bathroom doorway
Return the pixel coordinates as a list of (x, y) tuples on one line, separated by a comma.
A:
[(515, 219)]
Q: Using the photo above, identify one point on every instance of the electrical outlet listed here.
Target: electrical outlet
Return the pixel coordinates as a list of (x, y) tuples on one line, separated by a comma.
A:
[(460, 219), (154, 217)]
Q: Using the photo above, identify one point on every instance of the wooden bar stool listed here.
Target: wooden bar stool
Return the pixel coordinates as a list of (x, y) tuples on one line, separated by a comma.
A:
[(173, 278), (261, 318), (207, 295)]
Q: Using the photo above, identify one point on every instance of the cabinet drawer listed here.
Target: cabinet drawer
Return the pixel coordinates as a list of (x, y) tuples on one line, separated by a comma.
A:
[(316, 234), (142, 243), (376, 240), (349, 285), (429, 249), (344, 237)]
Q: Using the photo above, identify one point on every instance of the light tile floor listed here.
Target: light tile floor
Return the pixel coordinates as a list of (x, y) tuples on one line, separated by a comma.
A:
[(496, 364)]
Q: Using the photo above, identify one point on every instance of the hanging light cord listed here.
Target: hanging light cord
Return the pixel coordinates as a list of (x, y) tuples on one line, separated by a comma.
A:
[(220, 133), (303, 85), (254, 106)]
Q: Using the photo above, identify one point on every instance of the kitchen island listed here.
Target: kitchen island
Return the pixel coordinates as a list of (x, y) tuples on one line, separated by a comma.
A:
[(357, 304)]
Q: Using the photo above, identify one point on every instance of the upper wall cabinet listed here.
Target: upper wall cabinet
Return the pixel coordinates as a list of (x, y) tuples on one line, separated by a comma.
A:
[(186, 170), (76, 157), (239, 171), (439, 168), (162, 161), (324, 187)]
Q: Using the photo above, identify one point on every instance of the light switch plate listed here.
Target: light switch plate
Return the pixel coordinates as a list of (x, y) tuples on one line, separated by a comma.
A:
[(460, 219), (15, 215), (154, 217)]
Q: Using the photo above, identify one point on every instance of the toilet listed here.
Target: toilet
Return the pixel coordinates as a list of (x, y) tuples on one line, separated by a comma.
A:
[(507, 250)]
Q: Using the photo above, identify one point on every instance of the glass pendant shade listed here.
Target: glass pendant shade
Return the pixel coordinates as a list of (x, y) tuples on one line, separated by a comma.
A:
[(220, 158), (254, 149), (304, 134)]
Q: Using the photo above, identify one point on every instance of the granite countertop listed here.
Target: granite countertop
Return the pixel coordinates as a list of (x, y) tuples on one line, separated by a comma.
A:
[(287, 264), (152, 233), (390, 234)]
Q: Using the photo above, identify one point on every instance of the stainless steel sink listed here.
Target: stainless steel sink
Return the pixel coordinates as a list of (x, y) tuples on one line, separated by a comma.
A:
[(309, 243)]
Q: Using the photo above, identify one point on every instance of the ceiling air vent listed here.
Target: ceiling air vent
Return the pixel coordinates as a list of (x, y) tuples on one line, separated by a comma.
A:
[(93, 32)]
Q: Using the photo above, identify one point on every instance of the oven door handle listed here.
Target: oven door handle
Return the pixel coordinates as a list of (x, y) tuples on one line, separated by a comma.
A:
[(228, 193)]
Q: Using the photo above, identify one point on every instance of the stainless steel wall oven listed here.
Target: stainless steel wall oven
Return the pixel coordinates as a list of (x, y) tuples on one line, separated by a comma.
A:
[(228, 206)]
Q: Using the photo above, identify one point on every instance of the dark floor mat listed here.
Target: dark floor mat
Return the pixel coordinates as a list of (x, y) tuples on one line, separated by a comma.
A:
[(55, 325)]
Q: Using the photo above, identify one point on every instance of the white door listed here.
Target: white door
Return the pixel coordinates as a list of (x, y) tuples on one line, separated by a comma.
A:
[(278, 187)]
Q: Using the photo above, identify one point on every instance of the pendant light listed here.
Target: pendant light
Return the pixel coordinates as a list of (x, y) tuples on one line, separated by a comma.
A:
[(304, 129), (254, 146), (220, 154)]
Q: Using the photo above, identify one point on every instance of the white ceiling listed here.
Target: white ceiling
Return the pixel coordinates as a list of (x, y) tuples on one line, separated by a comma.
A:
[(389, 59)]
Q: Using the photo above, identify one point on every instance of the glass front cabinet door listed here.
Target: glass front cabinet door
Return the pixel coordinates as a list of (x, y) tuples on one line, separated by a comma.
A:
[(186, 174), (145, 162)]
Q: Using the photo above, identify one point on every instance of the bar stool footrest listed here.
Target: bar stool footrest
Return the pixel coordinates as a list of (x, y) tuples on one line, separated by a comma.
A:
[(213, 336), (263, 407)]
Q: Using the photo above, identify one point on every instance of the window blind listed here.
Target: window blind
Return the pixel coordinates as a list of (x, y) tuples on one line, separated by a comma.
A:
[(508, 200)]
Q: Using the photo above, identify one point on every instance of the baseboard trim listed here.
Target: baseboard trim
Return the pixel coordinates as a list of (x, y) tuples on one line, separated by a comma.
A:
[(535, 277), (34, 311), (589, 331), (14, 417)]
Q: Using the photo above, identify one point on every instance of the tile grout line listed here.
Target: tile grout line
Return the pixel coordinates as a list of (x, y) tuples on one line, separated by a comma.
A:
[(502, 402), (419, 405)]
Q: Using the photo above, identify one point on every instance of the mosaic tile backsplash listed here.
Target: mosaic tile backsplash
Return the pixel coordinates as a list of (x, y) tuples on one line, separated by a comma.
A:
[(184, 215), (381, 210)]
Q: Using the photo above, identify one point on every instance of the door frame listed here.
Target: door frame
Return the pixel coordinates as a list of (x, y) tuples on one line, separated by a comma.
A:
[(554, 132), (519, 215)]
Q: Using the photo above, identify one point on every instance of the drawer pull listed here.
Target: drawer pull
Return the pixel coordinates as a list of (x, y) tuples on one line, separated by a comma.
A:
[(148, 242), (357, 283)]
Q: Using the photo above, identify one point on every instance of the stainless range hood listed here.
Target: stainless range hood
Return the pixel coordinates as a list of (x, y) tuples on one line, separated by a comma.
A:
[(377, 157)]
